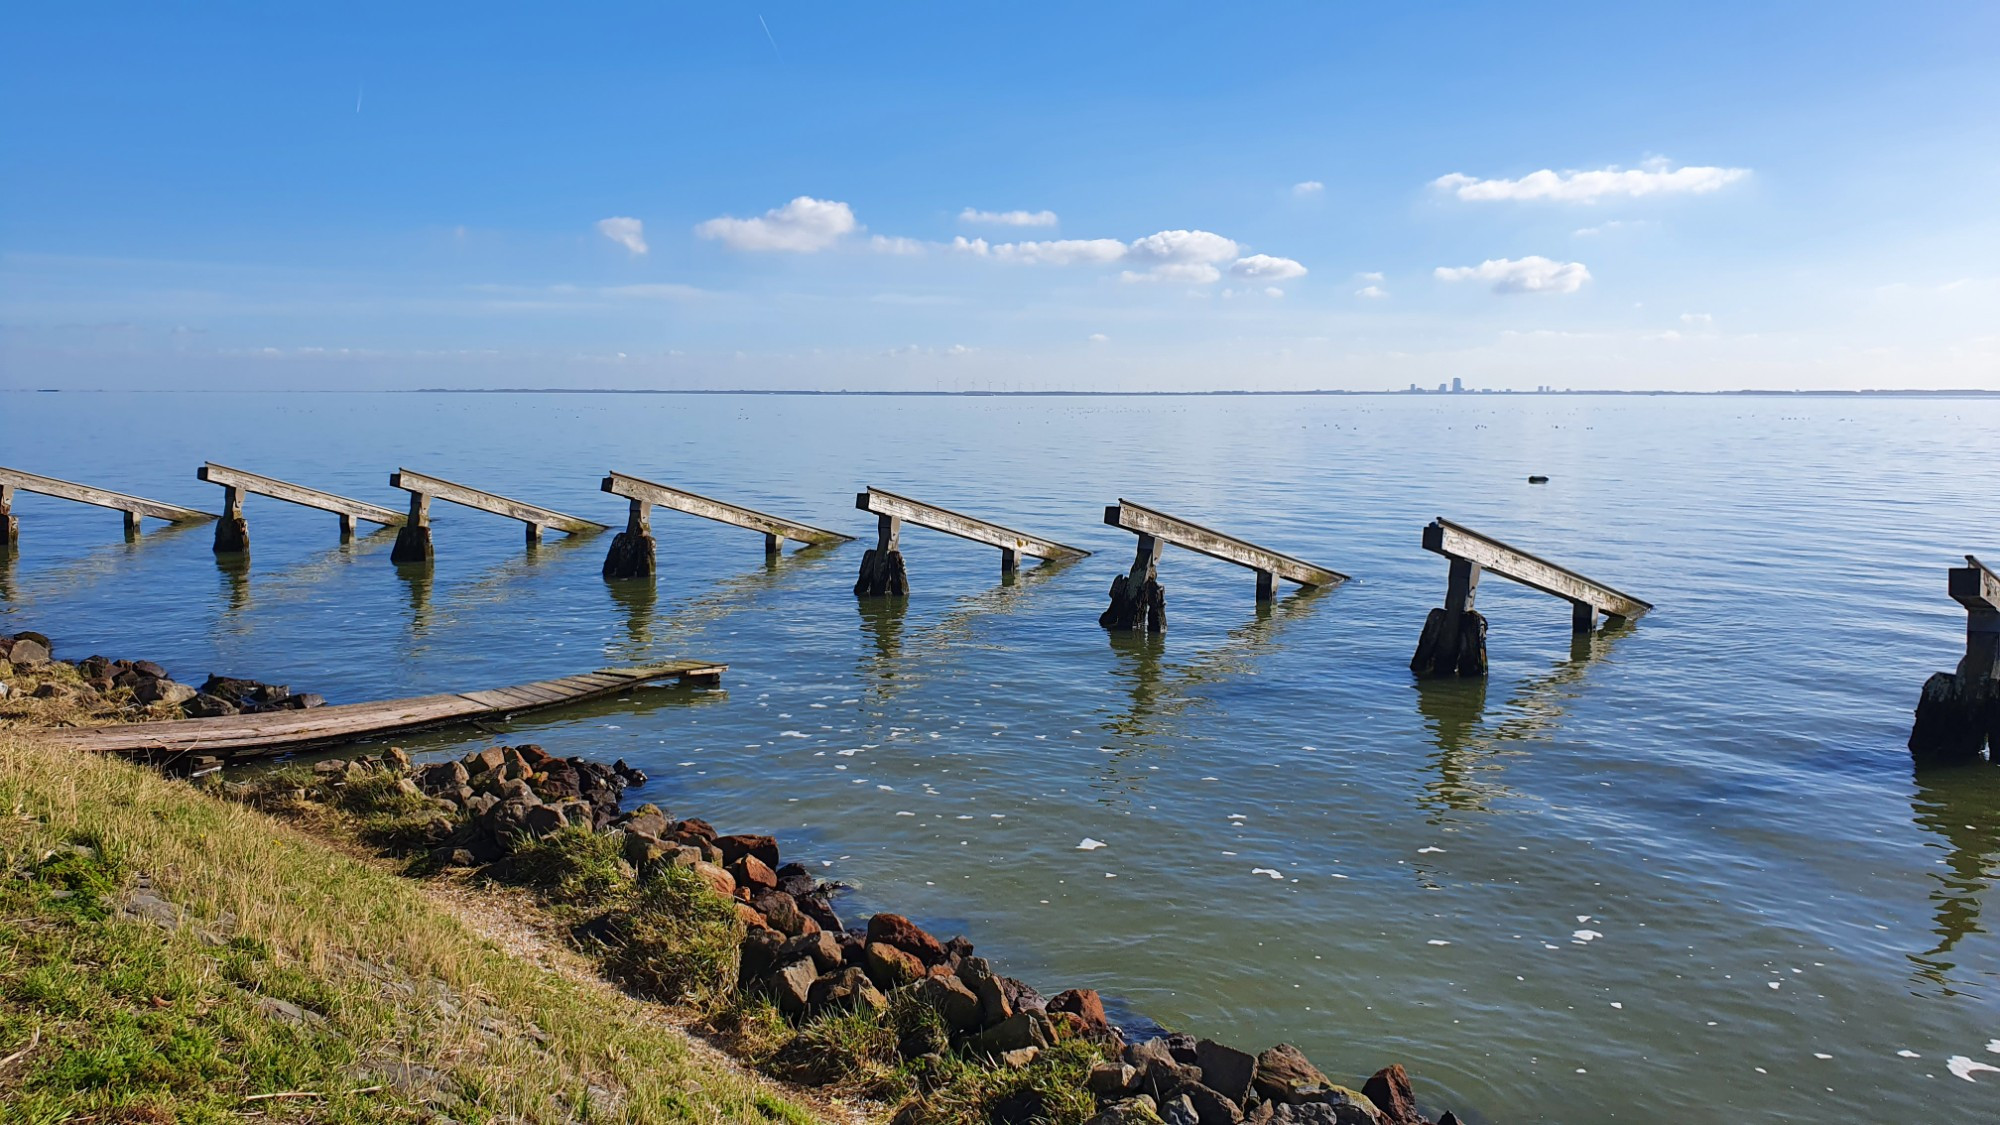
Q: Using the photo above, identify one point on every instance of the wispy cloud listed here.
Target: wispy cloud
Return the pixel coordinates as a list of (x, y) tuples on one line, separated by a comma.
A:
[(1264, 267), (1307, 189), (1007, 218), (627, 232), (1655, 177), (803, 226), (1533, 274)]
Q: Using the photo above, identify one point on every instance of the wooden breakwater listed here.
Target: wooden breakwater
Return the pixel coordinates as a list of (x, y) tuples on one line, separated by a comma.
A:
[(278, 732), (1453, 641)]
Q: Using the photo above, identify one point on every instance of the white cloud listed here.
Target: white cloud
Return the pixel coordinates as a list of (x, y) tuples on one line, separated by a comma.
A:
[(1308, 189), (1655, 178), (1008, 218), (1264, 267), (1372, 292), (629, 233), (1274, 291), (902, 247), (1098, 338), (803, 226), (1194, 273), (1183, 246), (1698, 320), (1374, 275), (1533, 274), (1059, 252)]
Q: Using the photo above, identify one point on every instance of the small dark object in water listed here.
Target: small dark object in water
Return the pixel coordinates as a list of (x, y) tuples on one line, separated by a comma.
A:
[(1538, 479)]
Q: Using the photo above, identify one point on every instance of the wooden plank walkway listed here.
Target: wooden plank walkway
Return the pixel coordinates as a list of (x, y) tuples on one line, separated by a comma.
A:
[(134, 507), (252, 736)]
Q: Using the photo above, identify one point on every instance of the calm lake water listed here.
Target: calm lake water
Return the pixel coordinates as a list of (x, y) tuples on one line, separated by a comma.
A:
[(1682, 866)]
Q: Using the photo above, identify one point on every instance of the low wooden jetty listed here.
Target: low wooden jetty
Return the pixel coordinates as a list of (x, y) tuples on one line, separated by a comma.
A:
[(1958, 714), (279, 732), (882, 569), (232, 531), (1138, 601), (1454, 637), (134, 507), (632, 550), (413, 543)]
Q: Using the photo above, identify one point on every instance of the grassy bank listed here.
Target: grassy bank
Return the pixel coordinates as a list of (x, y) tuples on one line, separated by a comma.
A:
[(167, 956)]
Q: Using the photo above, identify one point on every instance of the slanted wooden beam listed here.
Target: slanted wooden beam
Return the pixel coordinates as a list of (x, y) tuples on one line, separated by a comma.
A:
[(413, 542), (1268, 564), (232, 533), (965, 527), (134, 507), (774, 528), (1455, 541)]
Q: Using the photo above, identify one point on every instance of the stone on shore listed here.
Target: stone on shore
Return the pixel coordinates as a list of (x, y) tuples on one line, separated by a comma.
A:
[(1285, 1075), (896, 930)]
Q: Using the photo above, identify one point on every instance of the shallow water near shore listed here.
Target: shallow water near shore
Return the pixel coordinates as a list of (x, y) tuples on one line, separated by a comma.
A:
[(1681, 865)]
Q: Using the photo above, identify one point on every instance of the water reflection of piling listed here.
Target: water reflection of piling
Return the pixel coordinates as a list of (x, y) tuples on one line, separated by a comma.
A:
[(234, 570), (882, 624), (636, 599), (416, 580), (1963, 808)]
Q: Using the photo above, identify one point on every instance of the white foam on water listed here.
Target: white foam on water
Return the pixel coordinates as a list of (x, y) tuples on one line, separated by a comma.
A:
[(886, 788), (1436, 941), (1428, 850), (906, 814), (1265, 871), (1820, 1055), (1908, 1054), (1773, 983), (1585, 937), (1338, 875), (1618, 1005), (1993, 1045), (1965, 1068), (1089, 845), (793, 734)]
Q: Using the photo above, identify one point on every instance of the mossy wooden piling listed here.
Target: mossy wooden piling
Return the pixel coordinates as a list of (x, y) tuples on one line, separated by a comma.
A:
[(413, 542), (1453, 642), (134, 507), (882, 570), (232, 531), (632, 553), (1958, 714), (1138, 601)]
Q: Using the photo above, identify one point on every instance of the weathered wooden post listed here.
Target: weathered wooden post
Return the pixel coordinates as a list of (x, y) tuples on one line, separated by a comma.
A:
[(882, 569), (1138, 601), (10, 524), (1453, 642), (232, 532), (413, 539), (633, 549), (1958, 714)]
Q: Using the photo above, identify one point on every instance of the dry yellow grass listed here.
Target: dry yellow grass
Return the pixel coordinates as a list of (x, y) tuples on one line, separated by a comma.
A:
[(73, 705), (129, 1019)]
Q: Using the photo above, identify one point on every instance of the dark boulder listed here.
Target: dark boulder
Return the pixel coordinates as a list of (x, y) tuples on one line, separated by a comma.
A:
[(736, 847), (1389, 1089), (1226, 1070)]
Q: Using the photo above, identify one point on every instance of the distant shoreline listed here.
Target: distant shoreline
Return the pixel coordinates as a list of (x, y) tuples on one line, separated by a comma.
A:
[(1942, 393)]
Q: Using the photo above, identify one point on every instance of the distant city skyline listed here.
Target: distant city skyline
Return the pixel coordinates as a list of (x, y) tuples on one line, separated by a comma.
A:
[(1119, 198)]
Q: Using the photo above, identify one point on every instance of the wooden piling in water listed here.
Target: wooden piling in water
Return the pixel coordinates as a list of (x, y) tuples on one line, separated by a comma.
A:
[(1138, 601), (1958, 714), (134, 507), (882, 570), (1453, 642), (413, 542), (633, 550), (232, 531)]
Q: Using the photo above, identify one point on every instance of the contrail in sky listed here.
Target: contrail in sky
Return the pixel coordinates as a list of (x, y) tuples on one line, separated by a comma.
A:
[(357, 99), (767, 35)]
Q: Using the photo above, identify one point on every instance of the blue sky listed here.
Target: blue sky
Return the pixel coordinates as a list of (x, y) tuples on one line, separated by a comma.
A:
[(1693, 196)]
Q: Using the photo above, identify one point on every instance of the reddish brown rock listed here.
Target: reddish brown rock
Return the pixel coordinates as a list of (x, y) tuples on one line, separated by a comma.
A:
[(691, 829), (718, 880), (1284, 1074), (736, 847), (891, 968), (753, 873), (748, 915), (1084, 1003), (1390, 1090), (896, 930), (785, 915)]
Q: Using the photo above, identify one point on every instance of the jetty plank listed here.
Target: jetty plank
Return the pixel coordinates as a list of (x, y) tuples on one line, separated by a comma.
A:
[(248, 736), (420, 484), (132, 506), (681, 500), (1455, 541), (892, 506), (1975, 586), (1141, 520), (298, 494)]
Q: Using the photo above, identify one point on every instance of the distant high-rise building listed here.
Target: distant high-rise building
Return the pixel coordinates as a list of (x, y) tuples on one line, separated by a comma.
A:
[(1458, 386), (1442, 388)]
